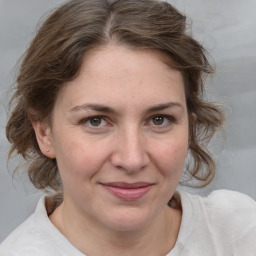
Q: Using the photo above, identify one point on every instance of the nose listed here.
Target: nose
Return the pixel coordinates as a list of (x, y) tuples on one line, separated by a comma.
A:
[(130, 151)]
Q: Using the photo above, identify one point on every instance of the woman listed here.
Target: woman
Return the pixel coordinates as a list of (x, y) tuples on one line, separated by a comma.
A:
[(109, 103)]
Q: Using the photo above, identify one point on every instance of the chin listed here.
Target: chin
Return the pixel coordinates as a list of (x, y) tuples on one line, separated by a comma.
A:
[(129, 220)]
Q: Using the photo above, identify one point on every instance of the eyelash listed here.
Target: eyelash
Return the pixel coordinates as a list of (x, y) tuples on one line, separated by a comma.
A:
[(88, 119), (168, 118)]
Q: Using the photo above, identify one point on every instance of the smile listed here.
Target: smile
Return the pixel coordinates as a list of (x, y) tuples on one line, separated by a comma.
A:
[(128, 191)]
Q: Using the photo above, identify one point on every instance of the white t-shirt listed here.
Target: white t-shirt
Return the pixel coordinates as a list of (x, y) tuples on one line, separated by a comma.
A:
[(222, 224)]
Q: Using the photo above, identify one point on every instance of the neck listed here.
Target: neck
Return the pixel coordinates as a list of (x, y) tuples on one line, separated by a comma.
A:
[(156, 238)]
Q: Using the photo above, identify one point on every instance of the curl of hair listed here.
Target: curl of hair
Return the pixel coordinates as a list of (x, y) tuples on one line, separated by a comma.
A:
[(55, 56)]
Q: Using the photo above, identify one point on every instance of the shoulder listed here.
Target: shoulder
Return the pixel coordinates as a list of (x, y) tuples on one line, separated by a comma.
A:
[(227, 199), (20, 240), (220, 200), (227, 214), (233, 214), (224, 220), (236, 209), (29, 238), (226, 205), (37, 236)]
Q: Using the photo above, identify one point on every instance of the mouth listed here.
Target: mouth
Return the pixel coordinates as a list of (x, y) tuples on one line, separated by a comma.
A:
[(128, 191)]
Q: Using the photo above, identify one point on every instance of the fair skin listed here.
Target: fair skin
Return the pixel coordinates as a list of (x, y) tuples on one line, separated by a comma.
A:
[(119, 133)]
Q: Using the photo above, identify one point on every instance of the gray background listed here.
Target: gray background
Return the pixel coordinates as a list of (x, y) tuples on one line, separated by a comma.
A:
[(227, 28)]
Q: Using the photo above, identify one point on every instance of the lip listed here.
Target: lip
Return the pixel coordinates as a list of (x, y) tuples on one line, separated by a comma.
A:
[(128, 191)]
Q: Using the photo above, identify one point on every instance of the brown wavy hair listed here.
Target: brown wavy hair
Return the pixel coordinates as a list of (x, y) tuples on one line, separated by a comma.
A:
[(55, 56)]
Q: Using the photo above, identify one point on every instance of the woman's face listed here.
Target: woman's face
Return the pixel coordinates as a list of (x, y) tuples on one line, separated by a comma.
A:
[(120, 137)]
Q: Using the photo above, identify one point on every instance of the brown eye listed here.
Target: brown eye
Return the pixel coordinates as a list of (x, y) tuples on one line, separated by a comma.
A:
[(158, 120), (95, 121)]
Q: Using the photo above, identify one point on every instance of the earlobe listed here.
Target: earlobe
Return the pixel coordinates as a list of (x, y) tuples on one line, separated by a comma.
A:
[(194, 117), (44, 138)]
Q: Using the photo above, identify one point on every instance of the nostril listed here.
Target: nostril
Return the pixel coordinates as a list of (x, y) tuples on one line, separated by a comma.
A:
[(129, 164), (130, 155)]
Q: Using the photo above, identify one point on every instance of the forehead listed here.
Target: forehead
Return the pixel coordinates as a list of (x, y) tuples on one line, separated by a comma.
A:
[(113, 73), (114, 58)]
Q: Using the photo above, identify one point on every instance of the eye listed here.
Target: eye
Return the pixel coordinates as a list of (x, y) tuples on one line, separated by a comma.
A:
[(94, 121), (161, 120), (158, 120)]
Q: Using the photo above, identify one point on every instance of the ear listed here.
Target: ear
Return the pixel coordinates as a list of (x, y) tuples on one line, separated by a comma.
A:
[(193, 118), (44, 138)]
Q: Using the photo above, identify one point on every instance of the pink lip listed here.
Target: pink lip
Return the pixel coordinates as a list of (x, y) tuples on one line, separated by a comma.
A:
[(128, 191)]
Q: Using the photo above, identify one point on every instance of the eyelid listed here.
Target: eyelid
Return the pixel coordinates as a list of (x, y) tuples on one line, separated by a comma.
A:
[(85, 120), (170, 118), (163, 115)]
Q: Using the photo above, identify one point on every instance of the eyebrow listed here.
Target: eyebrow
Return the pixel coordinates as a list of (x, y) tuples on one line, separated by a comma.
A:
[(95, 107), (160, 107), (106, 109)]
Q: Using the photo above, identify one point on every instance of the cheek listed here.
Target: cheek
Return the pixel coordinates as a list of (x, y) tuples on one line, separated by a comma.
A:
[(79, 160), (78, 167), (170, 157)]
